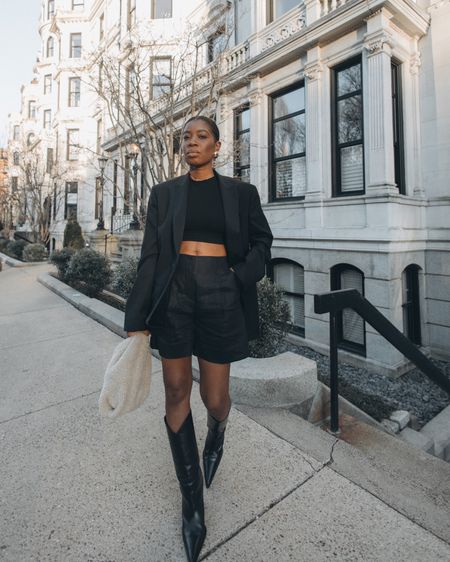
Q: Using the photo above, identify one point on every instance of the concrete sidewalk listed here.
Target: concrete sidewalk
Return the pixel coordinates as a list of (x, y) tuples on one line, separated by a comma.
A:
[(75, 487)]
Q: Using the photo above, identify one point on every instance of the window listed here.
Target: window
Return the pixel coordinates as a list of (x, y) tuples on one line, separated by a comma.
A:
[(47, 84), (397, 116), (14, 183), (100, 77), (75, 45), (49, 163), (99, 136), (288, 143), (77, 4), (131, 13), (16, 133), (347, 136), (161, 9), (279, 7), (73, 144), (50, 47), (47, 118), (216, 45), (351, 329), (101, 27), (161, 80), (242, 20), (411, 304), (242, 143), (290, 278), (74, 92), (31, 110), (130, 88), (115, 186), (30, 139), (71, 200), (126, 186), (16, 159), (50, 8)]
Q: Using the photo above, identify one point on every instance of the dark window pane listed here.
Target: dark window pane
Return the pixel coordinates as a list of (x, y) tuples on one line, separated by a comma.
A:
[(289, 103), (290, 177), (289, 136), (352, 172), (349, 80), (352, 323), (349, 113), (162, 9), (280, 7)]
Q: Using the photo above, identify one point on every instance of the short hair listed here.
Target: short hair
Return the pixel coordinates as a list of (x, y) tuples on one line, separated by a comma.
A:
[(210, 122)]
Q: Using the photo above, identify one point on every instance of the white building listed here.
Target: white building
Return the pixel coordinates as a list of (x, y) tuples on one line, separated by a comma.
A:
[(336, 110)]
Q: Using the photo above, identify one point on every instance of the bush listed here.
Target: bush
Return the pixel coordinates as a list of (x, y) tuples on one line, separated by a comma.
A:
[(35, 252), (15, 248), (274, 316), (3, 243), (124, 277), (61, 258), (73, 237), (90, 269)]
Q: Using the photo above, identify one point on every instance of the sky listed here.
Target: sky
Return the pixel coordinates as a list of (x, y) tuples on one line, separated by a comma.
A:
[(19, 44)]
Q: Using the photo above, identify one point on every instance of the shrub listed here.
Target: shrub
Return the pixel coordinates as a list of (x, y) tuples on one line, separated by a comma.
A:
[(91, 269), (124, 277), (15, 248), (35, 252), (274, 316), (3, 243), (61, 258), (73, 237)]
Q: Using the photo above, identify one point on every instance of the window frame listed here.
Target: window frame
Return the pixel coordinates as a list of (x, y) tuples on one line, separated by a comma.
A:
[(72, 80), (47, 119), (237, 167), (50, 8), (69, 132), (73, 47), (16, 158), (48, 84), (293, 329), (68, 205), (152, 83), (32, 109), (49, 160), (397, 125), (272, 164), (77, 4), (153, 11), (335, 146), (271, 11), (50, 47), (335, 285), (16, 132)]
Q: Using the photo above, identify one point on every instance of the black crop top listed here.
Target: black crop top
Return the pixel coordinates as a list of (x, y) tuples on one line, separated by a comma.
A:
[(205, 219)]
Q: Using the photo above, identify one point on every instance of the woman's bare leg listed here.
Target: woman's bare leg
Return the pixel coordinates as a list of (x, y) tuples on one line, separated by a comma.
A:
[(215, 387), (177, 374)]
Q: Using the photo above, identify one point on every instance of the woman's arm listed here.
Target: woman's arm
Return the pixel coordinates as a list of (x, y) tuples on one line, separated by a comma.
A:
[(139, 300), (260, 238)]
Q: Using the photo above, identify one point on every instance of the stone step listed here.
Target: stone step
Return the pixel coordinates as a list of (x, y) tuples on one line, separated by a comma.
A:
[(438, 429)]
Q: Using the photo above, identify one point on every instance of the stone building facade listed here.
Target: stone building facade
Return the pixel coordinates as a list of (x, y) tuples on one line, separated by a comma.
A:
[(335, 109)]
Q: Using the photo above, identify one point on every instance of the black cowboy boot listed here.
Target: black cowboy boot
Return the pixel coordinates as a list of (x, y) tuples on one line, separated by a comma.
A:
[(213, 451), (185, 457)]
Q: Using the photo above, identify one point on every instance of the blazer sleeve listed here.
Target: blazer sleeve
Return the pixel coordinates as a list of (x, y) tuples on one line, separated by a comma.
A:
[(253, 268), (139, 301)]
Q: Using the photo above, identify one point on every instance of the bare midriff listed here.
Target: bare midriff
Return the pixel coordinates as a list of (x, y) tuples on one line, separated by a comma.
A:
[(194, 248)]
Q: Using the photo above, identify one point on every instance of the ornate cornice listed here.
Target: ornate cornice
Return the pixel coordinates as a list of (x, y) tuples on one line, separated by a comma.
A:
[(312, 70), (279, 34), (380, 41)]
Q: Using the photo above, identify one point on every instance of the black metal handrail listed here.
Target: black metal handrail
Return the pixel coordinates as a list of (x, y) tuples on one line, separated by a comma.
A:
[(335, 301)]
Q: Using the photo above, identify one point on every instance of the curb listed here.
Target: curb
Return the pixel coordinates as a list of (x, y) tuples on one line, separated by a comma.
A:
[(12, 262)]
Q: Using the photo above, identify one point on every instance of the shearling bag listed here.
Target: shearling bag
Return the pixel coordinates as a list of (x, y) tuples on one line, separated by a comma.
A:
[(127, 377)]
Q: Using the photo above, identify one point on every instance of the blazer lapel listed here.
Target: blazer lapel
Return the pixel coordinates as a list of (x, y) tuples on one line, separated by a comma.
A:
[(230, 200)]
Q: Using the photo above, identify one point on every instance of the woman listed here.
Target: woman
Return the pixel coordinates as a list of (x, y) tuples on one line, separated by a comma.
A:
[(205, 246)]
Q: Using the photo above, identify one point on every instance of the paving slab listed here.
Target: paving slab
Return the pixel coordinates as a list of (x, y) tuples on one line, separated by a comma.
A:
[(330, 518), (78, 487)]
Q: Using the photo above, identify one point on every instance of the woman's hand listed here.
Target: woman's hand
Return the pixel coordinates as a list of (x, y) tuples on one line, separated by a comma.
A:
[(145, 332)]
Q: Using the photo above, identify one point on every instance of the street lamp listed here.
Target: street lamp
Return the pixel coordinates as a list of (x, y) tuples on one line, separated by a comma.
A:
[(102, 160), (134, 151)]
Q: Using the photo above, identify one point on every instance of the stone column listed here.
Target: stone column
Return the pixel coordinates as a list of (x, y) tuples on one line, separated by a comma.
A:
[(414, 67), (258, 140), (379, 136), (314, 123)]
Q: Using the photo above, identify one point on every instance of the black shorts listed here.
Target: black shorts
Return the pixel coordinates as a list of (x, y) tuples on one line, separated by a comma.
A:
[(204, 314)]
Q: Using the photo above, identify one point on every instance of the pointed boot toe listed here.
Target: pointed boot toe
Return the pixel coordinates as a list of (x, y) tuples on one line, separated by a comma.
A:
[(194, 534), (213, 451)]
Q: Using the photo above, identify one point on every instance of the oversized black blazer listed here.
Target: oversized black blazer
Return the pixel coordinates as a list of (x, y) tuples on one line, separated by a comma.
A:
[(248, 239)]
